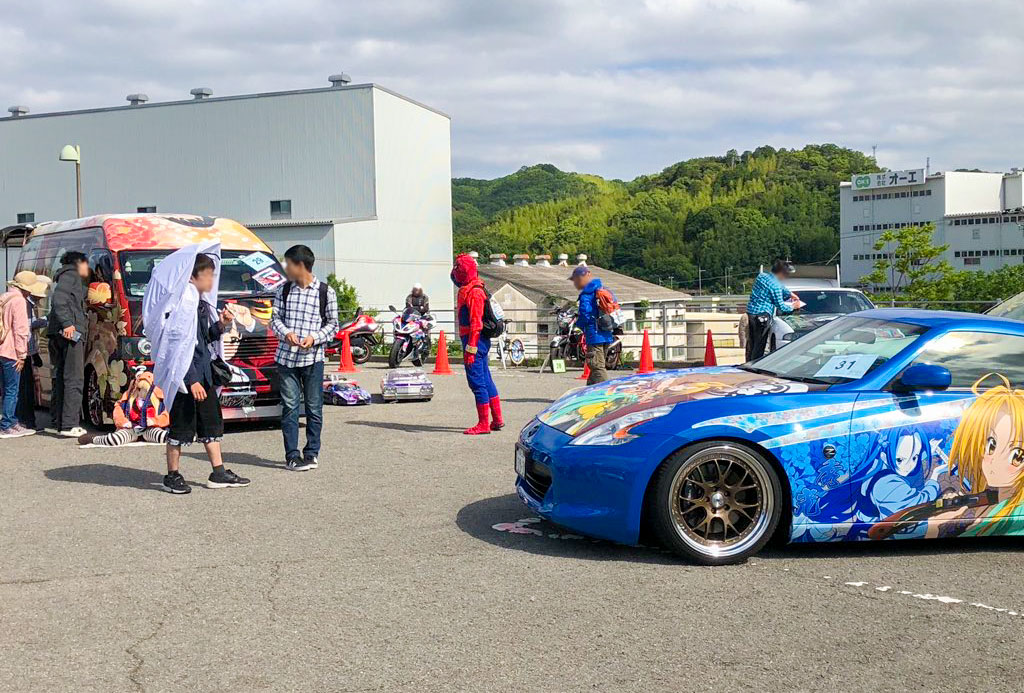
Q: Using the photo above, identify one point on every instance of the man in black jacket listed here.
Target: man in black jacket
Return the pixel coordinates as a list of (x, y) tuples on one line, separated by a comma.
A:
[(67, 328)]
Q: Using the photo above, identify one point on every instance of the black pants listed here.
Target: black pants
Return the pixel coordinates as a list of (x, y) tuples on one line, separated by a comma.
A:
[(26, 412), (759, 329), (192, 420), (67, 359)]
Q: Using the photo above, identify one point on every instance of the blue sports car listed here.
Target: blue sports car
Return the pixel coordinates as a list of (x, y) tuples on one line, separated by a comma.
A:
[(881, 424)]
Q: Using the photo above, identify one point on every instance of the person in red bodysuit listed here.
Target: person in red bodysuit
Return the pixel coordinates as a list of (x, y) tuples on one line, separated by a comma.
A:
[(475, 348)]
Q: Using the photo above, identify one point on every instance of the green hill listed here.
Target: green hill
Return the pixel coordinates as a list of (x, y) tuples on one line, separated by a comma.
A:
[(722, 215)]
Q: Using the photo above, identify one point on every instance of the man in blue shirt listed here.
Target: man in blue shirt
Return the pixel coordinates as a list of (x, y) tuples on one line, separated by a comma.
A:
[(767, 297), (596, 325)]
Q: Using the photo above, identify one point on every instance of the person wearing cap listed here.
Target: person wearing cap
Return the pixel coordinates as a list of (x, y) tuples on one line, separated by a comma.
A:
[(28, 387), (767, 297), (598, 338), (14, 347), (417, 301)]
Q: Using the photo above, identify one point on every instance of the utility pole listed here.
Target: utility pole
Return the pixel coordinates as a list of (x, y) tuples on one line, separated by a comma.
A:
[(700, 284), (728, 284)]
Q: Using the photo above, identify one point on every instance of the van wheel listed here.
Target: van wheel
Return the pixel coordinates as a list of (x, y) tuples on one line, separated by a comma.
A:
[(716, 502), (92, 405)]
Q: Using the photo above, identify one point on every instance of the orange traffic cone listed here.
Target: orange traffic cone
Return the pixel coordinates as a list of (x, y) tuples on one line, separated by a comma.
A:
[(709, 351), (646, 356), (441, 365), (586, 372), (346, 365)]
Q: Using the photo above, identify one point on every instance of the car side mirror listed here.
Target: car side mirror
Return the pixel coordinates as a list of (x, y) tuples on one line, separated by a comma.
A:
[(924, 376)]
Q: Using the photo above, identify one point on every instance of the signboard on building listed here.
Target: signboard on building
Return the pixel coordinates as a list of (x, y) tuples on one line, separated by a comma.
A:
[(888, 179)]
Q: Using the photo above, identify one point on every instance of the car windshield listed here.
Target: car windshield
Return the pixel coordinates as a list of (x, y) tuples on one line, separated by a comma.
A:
[(1012, 308), (241, 271), (843, 350), (833, 301)]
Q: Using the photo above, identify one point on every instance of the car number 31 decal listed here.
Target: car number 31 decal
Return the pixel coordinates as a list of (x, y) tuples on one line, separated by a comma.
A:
[(851, 366)]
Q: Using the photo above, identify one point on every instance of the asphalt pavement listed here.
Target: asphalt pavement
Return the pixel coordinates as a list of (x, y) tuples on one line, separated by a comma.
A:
[(407, 563)]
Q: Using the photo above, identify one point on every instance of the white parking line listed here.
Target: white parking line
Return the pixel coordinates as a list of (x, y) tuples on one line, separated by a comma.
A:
[(929, 597)]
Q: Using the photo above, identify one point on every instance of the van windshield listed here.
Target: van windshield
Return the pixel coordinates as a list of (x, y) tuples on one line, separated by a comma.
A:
[(241, 271)]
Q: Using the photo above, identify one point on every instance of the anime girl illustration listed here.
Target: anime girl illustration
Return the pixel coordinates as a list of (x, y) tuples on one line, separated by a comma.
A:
[(988, 451), (907, 477)]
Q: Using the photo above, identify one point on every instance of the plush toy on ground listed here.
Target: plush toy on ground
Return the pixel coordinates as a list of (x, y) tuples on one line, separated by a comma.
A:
[(139, 415)]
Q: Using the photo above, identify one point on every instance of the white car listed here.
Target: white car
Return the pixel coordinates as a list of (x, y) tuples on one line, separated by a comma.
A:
[(823, 305)]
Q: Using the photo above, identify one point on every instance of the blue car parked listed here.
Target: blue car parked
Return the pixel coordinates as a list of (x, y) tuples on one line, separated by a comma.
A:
[(880, 424)]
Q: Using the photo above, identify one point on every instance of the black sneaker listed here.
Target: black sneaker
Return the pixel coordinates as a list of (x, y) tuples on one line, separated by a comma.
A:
[(225, 478), (175, 483), (298, 464), (312, 461)]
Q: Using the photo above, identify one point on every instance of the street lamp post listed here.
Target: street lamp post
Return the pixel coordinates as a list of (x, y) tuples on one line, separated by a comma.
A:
[(73, 153)]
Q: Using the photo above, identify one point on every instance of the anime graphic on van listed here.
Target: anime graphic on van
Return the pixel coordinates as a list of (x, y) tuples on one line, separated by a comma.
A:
[(122, 252)]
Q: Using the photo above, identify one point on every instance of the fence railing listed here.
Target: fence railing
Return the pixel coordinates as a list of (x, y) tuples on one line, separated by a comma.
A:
[(675, 332)]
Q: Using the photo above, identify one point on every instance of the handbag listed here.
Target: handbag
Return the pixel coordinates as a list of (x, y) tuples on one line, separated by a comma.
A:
[(220, 372)]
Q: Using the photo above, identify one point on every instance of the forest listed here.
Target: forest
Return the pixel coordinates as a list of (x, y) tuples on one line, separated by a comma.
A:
[(721, 216)]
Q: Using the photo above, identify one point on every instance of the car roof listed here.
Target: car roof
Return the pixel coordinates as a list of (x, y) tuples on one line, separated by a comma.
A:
[(940, 318)]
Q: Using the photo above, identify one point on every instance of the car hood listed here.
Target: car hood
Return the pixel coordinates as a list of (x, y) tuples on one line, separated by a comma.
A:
[(581, 410), (805, 322)]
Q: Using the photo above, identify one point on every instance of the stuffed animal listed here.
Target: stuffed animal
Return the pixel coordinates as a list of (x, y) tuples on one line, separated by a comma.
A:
[(140, 414)]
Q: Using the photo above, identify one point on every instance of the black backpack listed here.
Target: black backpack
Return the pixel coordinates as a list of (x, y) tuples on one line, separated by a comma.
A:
[(323, 301), (494, 325)]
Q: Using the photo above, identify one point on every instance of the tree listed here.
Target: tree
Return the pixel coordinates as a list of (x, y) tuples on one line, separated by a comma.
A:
[(911, 265), (348, 299)]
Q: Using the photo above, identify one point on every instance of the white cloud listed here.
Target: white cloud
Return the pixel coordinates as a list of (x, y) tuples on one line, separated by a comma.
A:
[(612, 87)]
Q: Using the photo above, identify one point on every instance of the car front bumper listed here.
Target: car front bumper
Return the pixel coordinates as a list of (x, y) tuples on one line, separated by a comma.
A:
[(592, 490)]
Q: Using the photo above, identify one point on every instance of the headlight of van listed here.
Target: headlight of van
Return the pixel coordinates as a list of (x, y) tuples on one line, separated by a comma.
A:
[(138, 348), (618, 431)]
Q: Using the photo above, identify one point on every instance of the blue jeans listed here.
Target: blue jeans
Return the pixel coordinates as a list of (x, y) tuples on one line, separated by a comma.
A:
[(10, 378), (307, 383)]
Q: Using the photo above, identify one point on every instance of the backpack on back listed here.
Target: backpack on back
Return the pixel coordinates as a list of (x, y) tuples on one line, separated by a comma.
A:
[(611, 312), (494, 317)]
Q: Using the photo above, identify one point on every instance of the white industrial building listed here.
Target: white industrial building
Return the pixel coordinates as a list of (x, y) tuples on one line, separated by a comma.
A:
[(357, 172), (979, 215)]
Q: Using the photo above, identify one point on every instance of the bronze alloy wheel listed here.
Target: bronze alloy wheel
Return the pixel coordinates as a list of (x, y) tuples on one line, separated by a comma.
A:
[(722, 502)]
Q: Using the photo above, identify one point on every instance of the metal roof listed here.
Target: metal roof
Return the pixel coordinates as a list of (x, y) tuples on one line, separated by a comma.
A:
[(553, 282), (215, 99)]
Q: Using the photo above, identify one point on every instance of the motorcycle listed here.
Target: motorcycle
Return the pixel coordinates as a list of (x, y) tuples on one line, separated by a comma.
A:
[(569, 344), (411, 338), (362, 336)]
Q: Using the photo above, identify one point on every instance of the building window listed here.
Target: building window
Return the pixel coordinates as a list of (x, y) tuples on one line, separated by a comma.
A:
[(26, 217), (972, 261), (146, 210), (280, 209)]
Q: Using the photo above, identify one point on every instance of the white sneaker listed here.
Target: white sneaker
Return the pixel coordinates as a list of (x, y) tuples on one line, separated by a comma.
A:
[(73, 432)]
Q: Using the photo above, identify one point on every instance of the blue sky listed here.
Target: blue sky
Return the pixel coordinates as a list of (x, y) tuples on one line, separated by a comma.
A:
[(617, 88)]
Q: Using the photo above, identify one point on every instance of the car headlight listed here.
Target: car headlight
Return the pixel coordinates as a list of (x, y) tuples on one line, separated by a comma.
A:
[(138, 348), (618, 431)]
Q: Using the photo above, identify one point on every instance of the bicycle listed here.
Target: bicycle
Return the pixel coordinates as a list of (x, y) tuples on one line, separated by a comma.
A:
[(513, 348)]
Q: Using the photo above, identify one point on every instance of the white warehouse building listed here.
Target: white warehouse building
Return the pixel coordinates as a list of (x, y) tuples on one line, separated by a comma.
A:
[(359, 173), (979, 215)]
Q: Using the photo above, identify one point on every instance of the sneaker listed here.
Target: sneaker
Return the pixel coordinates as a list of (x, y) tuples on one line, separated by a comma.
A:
[(225, 478), (298, 464), (175, 483), (313, 461), (11, 432), (75, 432), (24, 430)]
